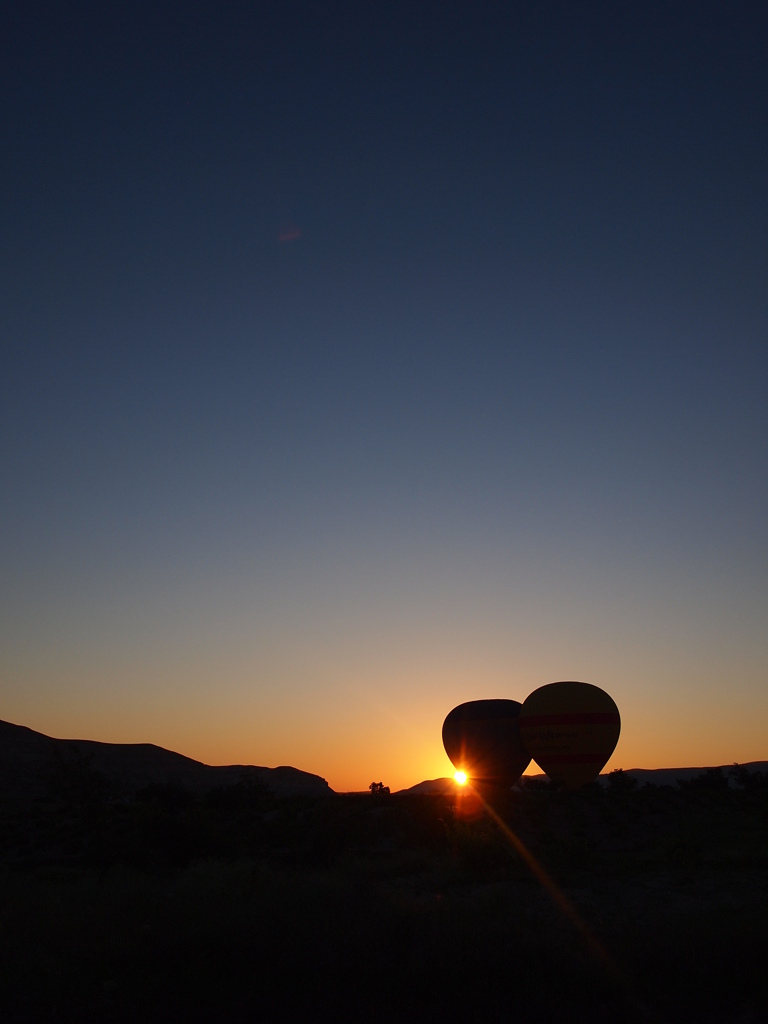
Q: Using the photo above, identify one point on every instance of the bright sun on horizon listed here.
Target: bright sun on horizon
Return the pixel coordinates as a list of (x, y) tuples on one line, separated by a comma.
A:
[(461, 778)]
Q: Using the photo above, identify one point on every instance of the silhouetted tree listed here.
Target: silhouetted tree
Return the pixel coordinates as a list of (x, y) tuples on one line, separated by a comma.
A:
[(535, 782), (747, 779), (619, 782)]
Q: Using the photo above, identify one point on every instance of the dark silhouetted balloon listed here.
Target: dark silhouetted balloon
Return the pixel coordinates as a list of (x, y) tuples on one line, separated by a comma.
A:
[(481, 738), (570, 729)]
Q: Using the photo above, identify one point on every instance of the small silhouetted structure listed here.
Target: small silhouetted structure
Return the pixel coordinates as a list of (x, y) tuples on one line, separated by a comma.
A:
[(379, 789)]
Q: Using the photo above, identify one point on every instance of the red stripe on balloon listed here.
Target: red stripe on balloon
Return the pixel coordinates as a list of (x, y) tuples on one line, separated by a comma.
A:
[(576, 718)]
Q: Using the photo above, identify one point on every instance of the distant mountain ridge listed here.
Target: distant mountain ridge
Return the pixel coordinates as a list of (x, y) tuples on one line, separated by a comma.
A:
[(652, 776), (27, 758)]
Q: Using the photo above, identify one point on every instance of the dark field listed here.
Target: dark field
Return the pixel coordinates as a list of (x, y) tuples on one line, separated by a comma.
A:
[(237, 906)]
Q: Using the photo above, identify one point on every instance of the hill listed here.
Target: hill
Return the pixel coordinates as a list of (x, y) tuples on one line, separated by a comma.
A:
[(642, 776), (29, 758)]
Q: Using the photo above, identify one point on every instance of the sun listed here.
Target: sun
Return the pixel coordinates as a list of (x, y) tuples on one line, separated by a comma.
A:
[(461, 778)]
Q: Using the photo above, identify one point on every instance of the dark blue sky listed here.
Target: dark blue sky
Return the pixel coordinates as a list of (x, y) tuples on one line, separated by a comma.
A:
[(318, 313)]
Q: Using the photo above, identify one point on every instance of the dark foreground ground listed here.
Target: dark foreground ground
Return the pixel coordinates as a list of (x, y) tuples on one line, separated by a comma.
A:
[(601, 906)]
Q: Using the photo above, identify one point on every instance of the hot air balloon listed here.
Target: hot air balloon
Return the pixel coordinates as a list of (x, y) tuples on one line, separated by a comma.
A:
[(481, 738), (571, 730)]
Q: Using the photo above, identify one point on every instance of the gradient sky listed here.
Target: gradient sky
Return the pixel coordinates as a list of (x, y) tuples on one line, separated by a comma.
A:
[(361, 359)]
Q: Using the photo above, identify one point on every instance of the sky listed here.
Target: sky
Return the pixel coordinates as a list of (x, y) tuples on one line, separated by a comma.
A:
[(362, 359)]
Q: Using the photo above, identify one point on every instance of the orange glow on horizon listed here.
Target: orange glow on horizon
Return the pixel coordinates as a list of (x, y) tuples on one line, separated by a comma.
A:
[(342, 740)]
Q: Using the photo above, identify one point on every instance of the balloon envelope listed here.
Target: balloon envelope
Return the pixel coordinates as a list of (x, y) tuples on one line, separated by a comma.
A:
[(482, 739), (570, 729)]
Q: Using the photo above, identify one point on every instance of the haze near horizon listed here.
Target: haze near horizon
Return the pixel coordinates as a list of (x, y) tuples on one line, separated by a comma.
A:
[(358, 362)]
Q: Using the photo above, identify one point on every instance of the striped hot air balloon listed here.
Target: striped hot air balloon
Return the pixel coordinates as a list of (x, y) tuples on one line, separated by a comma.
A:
[(570, 729)]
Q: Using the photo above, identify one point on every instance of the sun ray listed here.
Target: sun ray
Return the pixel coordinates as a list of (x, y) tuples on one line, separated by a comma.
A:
[(559, 898)]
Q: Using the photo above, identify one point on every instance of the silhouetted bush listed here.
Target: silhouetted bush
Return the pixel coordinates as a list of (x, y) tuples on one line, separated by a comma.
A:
[(710, 778), (619, 782), (746, 779), (538, 783), (169, 797), (247, 794)]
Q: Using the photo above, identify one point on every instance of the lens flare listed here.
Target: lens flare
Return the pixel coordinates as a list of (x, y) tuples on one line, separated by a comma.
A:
[(461, 778)]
